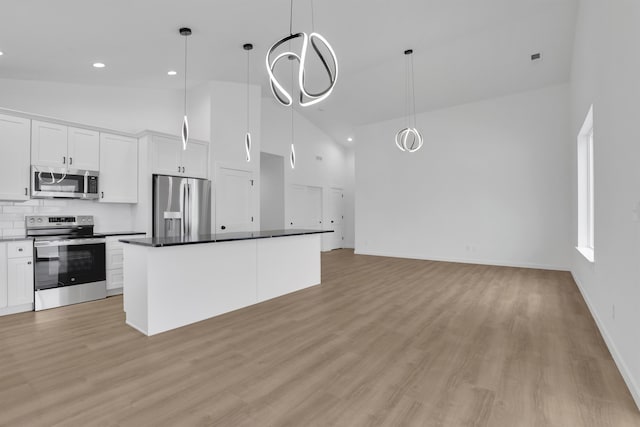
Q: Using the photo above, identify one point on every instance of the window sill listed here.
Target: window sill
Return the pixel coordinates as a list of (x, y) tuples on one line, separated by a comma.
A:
[(587, 253)]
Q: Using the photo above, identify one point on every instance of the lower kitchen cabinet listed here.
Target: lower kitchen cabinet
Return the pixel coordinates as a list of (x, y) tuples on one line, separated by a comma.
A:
[(16, 277), (115, 276), (20, 281)]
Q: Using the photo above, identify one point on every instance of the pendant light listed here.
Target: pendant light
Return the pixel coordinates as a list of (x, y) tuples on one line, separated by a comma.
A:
[(330, 64), (185, 32), (292, 154), (409, 139), (247, 136)]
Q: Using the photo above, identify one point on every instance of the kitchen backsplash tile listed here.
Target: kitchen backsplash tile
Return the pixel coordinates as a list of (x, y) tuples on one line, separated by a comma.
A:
[(108, 217)]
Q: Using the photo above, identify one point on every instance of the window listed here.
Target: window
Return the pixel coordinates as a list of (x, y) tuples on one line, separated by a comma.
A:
[(585, 188)]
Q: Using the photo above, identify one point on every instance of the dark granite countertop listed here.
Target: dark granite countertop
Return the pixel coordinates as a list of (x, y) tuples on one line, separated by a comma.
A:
[(14, 239), (117, 233), (222, 237)]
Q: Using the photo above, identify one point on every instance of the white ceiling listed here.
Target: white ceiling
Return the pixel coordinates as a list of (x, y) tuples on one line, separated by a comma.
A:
[(465, 50)]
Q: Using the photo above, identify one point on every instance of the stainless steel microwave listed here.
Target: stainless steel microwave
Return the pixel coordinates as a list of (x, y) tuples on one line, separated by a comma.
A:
[(47, 182)]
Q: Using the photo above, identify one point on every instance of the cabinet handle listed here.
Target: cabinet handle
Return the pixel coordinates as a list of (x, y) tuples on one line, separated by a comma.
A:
[(102, 194), (19, 249), (29, 262), (178, 169), (64, 160), (26, 191), (183, 169), (223, 227), (70, 160)]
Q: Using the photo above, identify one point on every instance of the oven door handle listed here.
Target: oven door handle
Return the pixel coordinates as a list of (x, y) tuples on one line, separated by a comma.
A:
[(74, 242)]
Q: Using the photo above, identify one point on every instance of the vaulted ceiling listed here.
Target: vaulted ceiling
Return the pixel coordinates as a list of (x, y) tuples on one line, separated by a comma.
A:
[(465, 50)]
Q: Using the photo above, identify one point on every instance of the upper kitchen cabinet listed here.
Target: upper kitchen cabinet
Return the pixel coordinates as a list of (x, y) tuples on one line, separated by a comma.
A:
[(83, 148), (118, 169), (168, 157), (58, 146), (14, 157)]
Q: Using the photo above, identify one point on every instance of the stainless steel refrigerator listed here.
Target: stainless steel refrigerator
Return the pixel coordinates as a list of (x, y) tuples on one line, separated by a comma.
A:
[(181, 206)]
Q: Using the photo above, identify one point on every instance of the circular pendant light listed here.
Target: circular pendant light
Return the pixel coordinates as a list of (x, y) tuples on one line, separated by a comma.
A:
[(409, 139)]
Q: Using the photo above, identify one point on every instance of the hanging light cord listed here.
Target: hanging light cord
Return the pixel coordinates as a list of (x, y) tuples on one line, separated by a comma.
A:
[(291, 17), (413, 91), (248, 63), (291, 103), (185, 75), (312, 19)]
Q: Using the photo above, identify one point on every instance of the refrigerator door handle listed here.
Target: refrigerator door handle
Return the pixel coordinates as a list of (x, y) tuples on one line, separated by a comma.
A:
[(183, 206), (187, 209)]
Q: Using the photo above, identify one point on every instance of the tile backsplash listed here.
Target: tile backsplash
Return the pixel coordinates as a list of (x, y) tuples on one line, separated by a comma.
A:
[(107, 217)]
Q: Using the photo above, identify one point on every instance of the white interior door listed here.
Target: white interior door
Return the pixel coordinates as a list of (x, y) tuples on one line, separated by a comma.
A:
[(336, 219), (314, 208), (233, 201), (305, 207)]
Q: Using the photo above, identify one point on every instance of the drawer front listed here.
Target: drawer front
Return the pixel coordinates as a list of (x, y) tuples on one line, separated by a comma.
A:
[(20, 249), (115, 279), (115, 258)]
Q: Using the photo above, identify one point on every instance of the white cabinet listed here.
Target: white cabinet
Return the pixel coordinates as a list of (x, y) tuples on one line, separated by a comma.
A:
[(20, 280), (57, 145), (83, 148), (14, 158), (16, 276), (168, 157), (3, 276), (118, 169), (115, 257)]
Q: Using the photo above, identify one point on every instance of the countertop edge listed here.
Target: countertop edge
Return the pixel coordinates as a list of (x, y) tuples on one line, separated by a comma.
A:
[(219, 238)]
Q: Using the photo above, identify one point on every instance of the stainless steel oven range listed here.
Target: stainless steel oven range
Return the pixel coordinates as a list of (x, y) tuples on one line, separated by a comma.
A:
[(69, 260)]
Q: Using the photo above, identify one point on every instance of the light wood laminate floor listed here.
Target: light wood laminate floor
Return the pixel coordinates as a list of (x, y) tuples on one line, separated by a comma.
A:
[(382, 341)]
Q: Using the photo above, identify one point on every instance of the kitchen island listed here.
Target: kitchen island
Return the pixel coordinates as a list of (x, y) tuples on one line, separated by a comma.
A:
[(172, 282)]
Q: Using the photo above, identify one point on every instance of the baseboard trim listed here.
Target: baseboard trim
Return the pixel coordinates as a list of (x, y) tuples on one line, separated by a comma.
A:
[(466, 261), (617, 358)]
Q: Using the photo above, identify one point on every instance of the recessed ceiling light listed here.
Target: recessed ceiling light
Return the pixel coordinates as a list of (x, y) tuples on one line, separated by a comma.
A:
[(98, 65), (1, 53), (172, 73), (349, 139)]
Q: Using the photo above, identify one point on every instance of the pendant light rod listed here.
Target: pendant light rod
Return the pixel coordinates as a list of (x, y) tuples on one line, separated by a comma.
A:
[(291, 17)]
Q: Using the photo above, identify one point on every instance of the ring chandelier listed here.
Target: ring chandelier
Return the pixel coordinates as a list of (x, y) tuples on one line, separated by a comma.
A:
[(330, 65), (409, 139)]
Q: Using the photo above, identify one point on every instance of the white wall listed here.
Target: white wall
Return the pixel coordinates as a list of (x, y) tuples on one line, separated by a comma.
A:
[(123, 109), (311, 143), (490, 185), (605, 73)]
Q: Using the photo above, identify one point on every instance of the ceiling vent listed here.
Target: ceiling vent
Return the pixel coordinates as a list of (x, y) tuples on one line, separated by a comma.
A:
[(536, 56)]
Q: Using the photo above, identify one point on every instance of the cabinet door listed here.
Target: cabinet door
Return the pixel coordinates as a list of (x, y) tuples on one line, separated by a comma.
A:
[(118, 182), (83, 148), (14, 158), (3, 275), (233, 201), (166, 156), (195, 160), (48, 144), (20, 278)]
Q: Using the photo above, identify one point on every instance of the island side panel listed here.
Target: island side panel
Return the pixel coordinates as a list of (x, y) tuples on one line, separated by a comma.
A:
[(134, 288), (287, 264), (190, 283)]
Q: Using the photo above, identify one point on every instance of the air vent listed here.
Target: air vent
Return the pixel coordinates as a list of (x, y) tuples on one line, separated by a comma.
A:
[(536, 56), (319, 158)]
